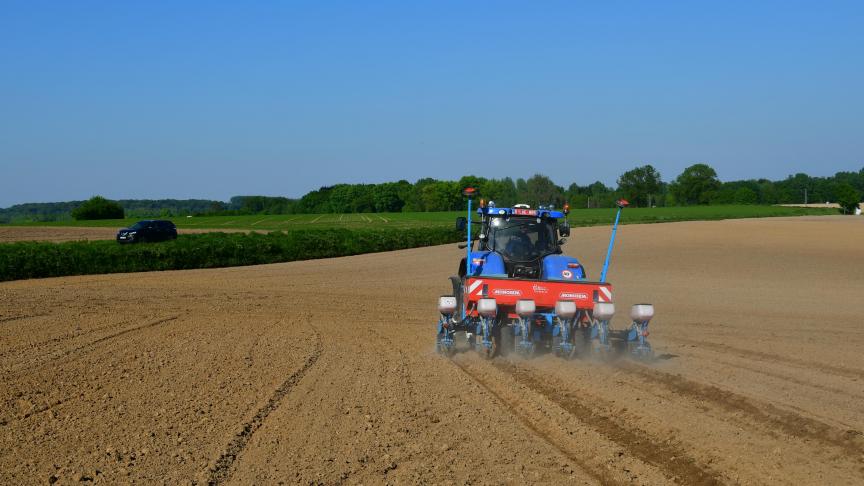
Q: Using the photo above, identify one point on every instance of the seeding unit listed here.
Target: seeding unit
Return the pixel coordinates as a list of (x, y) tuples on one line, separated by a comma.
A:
[(516, 291)]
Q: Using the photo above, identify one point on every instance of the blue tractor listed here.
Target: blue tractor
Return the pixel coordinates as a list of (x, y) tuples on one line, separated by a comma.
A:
[(516, 291)]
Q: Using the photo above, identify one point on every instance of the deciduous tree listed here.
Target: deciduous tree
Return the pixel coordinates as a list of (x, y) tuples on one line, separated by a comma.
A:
[(695, 185), (847, 197), (640, 184), (540, 190), (97, 207)]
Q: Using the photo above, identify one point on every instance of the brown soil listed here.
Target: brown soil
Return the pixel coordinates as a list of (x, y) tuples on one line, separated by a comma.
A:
[(70, 233), (324, 371)]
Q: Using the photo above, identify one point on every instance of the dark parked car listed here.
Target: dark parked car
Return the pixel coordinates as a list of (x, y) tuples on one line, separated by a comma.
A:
[(148, 230)]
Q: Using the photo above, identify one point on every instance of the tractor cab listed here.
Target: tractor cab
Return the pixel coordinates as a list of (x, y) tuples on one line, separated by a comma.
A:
[(521, 238), (521, 242)]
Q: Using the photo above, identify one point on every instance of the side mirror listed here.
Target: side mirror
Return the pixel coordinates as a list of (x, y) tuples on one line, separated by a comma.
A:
[(564, 229), (461, 223)]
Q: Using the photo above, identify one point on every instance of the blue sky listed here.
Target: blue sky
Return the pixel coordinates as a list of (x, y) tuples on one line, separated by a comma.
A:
[(210, 99)]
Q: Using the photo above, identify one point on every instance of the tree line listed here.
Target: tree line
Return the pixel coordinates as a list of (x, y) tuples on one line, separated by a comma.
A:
[(133, 208), (699, 184), (642, 186)]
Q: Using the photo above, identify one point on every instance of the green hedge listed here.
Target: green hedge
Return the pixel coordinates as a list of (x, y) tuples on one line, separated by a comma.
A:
[(41, 259)]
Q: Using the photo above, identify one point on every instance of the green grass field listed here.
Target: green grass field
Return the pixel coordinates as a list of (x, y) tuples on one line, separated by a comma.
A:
[(578, 217)]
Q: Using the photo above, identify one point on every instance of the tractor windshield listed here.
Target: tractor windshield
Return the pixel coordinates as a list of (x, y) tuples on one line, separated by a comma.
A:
[(522, 240)]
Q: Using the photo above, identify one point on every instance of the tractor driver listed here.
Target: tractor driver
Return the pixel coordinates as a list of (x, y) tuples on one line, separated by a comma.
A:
[(520, 243)]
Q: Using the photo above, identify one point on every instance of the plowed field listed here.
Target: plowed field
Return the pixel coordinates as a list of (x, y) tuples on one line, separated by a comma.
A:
[(10, 234), (324, 371)]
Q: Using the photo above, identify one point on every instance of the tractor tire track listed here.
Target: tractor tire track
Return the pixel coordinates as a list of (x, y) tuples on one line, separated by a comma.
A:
[(221, 469), (772, 418), (790, 378), (4, 320), (29, 347), (43, 360), (773, 358), (592, 470), (36, 411), (45, 408), (670, 458)]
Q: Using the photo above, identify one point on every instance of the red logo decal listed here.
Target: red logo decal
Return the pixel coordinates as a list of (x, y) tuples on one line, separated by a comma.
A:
[(574, 295), (507, 292)]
